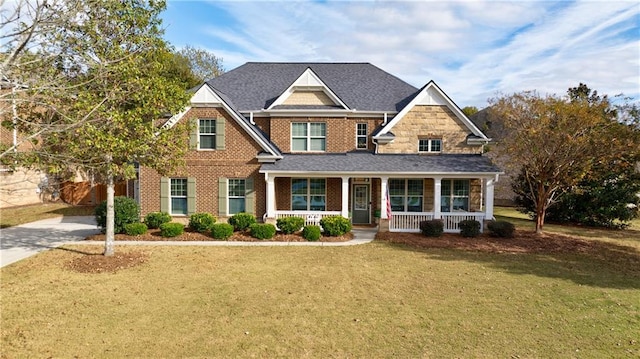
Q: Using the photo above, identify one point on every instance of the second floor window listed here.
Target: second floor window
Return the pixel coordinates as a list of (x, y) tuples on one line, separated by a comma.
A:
[(308, 137), (207, 133), (361, 136), (430, 145)]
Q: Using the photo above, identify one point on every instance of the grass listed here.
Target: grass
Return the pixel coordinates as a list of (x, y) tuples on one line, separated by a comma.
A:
[(369, 301), (10, 217)]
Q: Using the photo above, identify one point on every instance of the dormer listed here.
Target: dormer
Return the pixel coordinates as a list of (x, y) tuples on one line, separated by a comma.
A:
[(309, 92)]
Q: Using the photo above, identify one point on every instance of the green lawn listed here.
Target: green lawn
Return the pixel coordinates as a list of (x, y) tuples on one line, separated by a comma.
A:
[(369, 301)]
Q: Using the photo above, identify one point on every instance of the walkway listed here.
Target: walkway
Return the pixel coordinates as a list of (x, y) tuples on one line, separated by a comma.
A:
[(25, 240)]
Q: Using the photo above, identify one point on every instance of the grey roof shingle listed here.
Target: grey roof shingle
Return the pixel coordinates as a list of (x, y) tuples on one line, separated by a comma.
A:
[(366, 162), (361, 86)]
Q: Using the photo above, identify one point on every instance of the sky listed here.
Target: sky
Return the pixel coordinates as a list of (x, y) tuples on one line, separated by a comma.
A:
[(474, 50)]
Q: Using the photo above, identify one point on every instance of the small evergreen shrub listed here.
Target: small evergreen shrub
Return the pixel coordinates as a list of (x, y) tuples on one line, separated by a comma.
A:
[(221, 231), (262, 230), (242, 221), (290, 225), (311, 233), (171, 229), (201, 222), (335, 225), (135, 229), (126, 210), (469, 228), (501, 229), (153, 220), (432, 228)]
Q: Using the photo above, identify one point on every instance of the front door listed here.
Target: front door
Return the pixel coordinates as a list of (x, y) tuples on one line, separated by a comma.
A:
[(360, 204)]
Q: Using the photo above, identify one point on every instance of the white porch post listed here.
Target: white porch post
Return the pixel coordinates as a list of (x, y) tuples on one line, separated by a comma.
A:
[(345, 197), (271, 196), (383, 197), (488, 200), (437, 194)]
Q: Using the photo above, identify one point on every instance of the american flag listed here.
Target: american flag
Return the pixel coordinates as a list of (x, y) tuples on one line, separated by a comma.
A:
[(388, 204)]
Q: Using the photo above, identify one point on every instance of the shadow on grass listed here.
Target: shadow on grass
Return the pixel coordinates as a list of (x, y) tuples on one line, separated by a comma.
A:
[(591, 262), (75, 211)]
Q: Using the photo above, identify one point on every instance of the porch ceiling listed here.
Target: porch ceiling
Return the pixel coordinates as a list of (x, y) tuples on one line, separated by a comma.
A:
[(359, 163)]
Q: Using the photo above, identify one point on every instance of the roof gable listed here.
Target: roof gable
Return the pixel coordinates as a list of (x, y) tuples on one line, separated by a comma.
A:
[(308, 82), (431, 94)]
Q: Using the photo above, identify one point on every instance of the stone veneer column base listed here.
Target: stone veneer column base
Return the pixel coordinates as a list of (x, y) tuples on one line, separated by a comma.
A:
[(384, 225)]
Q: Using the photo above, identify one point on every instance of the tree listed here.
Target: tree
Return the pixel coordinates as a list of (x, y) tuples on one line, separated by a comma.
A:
[(470, 110), (115, 94), (204, 64), (554, 142)]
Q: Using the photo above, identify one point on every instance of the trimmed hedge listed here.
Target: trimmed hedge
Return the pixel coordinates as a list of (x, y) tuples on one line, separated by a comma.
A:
[(242, 221), (501, 229), (262, 230), (311, 233), (432, 228), (135, 229), (335, 225), (469, 228), (288, 225), (201, 222), (221, 231), (153, 220), (126, 210), (171, 229)]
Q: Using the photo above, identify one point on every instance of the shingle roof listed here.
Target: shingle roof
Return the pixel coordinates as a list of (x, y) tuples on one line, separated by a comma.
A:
[(366, 162), (361, 86)]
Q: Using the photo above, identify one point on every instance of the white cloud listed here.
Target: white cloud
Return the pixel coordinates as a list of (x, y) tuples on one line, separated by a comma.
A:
[(472, 49)]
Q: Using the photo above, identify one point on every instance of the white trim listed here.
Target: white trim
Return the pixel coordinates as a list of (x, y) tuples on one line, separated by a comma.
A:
[(327, 174), (214, 134), (431, 94), (308, 137), (317, 113), (171, 197), (228, 196), (429, 143), (366, 136), (308, 81)]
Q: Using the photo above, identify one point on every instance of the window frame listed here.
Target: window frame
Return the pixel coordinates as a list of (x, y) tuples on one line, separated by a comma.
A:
[(208, 134), (430, 145), (230, 196), (308, 195), (185, 196), (362, 136), (406, 194), (452, 196), (308, 137)]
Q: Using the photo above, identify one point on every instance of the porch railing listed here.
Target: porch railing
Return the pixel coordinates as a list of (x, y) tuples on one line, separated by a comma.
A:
[(310, 217), (410, 221)]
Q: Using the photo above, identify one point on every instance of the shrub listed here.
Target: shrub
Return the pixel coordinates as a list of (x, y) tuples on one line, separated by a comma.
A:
[(221, 231), (171, 229), (135, 229), (153, 220), (201, 222), (311, 233), (335, 225), (501, 229), (242, 221), (432, 228), (262, 230), (126, 210), (290, 225), (469, 228)]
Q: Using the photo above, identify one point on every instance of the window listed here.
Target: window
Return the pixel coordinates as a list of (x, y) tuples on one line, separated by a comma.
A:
[(454, 195), (309, 136), (237, 190), (308, 194), (178, 196), (361, 136), (207, 134), (406, 195), (430, 145)]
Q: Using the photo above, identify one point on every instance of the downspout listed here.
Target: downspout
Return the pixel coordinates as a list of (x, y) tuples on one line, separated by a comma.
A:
[(251, 121)]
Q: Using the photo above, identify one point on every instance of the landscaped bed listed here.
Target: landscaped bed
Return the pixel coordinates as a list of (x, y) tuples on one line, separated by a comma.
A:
[(190, 235)]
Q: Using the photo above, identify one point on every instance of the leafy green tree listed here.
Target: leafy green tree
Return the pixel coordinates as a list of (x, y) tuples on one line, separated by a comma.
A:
[(203, 64), (470, 110), (555, 142)]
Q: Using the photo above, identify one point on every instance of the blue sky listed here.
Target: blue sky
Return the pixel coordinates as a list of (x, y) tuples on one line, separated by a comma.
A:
[(473, 50)]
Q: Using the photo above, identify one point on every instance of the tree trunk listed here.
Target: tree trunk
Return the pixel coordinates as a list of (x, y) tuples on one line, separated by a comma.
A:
[(540, 221), (109, 241)]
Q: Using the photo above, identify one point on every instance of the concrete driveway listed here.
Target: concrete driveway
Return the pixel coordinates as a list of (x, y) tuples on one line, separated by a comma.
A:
[(25, 240)]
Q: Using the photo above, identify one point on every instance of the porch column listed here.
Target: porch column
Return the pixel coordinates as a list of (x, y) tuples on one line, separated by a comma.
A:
[(345, 197), (488, 200), (437, 194), (271, 196), (383, 197)]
